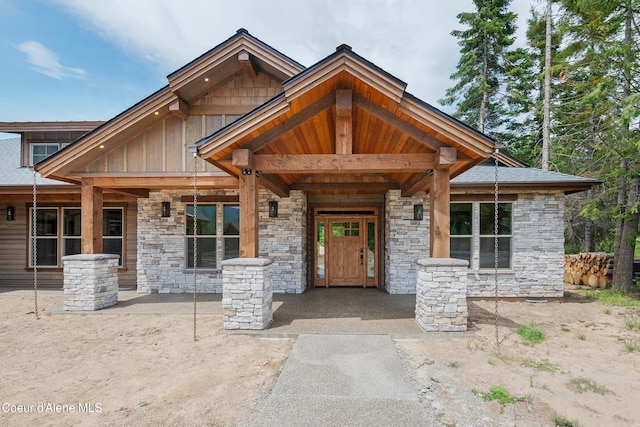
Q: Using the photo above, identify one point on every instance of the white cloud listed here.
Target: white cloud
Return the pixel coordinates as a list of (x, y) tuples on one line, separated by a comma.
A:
[(46, 62), (411, 39)]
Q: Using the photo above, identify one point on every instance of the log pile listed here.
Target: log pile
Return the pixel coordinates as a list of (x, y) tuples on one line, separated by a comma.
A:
[(593, 269)]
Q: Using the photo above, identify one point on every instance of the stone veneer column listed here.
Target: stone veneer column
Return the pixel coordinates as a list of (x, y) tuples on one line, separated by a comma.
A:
[(247, 293), (441, 294), (90, 281)]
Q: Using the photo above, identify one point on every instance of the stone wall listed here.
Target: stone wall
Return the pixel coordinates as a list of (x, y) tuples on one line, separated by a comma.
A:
[(161, 244), (90, 281), (537, 254), (406, 241), (161, 248), (247, 293), (441, 294), (284, 240)]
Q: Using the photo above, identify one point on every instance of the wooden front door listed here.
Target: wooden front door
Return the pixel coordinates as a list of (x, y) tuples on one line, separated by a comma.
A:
[(346, 251)]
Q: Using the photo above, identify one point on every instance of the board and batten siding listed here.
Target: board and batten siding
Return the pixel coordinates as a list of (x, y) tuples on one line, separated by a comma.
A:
[(14, 250), (164, 147)]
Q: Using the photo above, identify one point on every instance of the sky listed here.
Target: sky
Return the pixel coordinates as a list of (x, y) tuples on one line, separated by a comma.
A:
[(92, 59)]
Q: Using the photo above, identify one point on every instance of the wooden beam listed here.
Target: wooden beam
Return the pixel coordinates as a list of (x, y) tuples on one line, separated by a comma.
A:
[(446, 157), (414, 184), (211, 199), (247, 64), (348, 187), (165, 182), (242, 159), (275, 184), (179, 108), (395, 121), (353, 163), (249, 215), (439, 209), (344, 121), (91, 211), (133, 192)]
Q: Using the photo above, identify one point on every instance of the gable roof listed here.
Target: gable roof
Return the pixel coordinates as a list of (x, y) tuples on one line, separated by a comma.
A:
[(385, 121), (184, 84)]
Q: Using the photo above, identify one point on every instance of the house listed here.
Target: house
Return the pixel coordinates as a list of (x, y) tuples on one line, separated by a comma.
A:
[(334, 173)]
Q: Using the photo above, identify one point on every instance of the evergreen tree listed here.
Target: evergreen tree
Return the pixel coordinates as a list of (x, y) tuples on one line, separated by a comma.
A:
[(481, 68)]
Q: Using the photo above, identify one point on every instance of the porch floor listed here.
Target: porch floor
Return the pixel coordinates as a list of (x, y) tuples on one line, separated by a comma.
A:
[(316, 311)]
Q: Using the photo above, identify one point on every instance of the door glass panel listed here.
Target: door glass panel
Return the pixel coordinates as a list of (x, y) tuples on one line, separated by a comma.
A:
[(371, 247), (320, 247)]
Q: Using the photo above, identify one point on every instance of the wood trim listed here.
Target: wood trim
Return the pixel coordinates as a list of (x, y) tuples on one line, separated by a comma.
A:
[(91, 211), (344, 121), (249, 215), (483, 197), (166, 182), (179, 108), (370, 187), (211, 199), (353, 163), (212, 110), (439, 213)]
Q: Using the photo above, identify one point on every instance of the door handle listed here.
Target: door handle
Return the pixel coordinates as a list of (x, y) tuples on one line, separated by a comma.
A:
[(361, 256)]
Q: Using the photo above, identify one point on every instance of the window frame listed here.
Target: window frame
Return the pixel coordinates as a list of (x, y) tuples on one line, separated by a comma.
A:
[(221, 236), (62, 235), (476, 237), (32, 145)]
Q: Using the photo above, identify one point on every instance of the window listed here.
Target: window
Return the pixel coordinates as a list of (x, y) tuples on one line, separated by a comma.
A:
[(469, 224), (69, 233), (209, 234), (39, 152), (487, 238), (46, 238), (461, 220)]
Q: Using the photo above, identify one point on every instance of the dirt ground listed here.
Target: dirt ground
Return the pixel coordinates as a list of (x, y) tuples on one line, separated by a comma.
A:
[(145, 370)]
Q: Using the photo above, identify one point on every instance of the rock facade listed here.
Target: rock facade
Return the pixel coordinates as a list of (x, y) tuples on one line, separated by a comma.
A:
[(90, 281), (441, 294), (284, 240), (247, 293), (537, 252), (406, 241)]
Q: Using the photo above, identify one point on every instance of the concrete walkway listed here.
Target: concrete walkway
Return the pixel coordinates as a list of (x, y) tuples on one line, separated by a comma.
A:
[(342, 380)]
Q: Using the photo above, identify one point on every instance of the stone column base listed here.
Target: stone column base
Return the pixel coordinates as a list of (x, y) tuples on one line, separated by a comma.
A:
[(90, 281), (247, 293), (441, 294)]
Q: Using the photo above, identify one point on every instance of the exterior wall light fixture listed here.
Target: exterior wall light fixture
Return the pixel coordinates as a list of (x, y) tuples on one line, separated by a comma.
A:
[(11, 213), (166, 209), (273, 209), (417, 212)]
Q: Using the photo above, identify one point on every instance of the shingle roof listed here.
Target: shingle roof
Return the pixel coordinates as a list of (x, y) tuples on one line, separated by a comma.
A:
[(11, 174), (484, 174)]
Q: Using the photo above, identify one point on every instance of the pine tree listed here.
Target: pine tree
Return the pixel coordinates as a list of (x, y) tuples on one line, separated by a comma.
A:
[(481, 68)]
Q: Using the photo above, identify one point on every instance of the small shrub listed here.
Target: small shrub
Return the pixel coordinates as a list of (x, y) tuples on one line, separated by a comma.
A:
[(582, 337), (583, 385), (500, 395), (607, 311), (540, 366), (565, 329), (632, 346), (531, 334), (564, 422), (454, 365), (632, 323)]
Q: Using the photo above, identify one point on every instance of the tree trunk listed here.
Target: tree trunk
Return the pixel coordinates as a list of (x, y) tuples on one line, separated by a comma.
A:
[(623, 266), (588, 227), (546, 106), (622, 199), (485, 95)]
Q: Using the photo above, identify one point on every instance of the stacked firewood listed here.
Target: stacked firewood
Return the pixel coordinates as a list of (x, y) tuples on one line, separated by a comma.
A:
[(594, 269)]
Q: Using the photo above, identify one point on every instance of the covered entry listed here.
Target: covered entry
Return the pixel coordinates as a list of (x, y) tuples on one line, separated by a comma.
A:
[(346, 247)]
